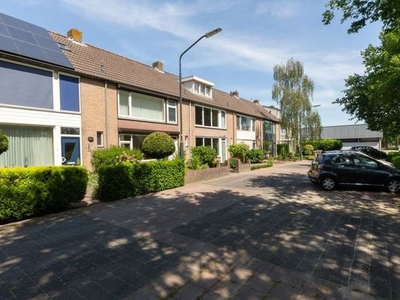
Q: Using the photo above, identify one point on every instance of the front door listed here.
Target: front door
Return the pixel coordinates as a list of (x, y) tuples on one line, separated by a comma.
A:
[(70, 150)]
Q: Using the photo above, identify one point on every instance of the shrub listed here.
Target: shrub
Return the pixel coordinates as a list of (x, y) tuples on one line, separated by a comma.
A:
[(205, 154), (239, 151), (255, 155), (268, 164), (130, 180), (112, 156), (158, 145), (396, 161), (283, 150), (393, 155), (308, 149), (26, 192), (3, 142)]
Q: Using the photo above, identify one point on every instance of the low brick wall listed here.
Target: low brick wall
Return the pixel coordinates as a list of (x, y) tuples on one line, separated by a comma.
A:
[(205, 174)]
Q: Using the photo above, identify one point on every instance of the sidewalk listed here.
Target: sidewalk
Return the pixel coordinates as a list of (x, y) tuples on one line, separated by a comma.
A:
[(200, 241)]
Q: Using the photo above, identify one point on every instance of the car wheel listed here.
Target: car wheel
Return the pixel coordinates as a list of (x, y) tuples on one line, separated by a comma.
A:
[(328, 183), (393, 185)]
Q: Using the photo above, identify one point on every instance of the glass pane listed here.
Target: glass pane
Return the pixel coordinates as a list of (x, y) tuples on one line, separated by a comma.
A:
[(222, 125), (199, 115), (215, 118), (147, 107), (207, 142), (123, 103), (70, 130), (199, 142), (207, 117)]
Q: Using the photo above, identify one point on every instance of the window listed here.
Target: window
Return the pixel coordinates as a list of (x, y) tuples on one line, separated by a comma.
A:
[(70, 130), (219, 144), (209, 117), (69, 93), (144, 107), (28, 146), (202, 89), (99, 139), (245, 123), (25, 86), (171, 111), (131, 141)]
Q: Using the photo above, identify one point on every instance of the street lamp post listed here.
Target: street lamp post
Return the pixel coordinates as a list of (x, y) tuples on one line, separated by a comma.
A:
[(300, 147), (207, 35)]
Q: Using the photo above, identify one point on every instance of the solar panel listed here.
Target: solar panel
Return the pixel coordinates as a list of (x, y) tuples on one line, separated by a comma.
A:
[(29, 40)]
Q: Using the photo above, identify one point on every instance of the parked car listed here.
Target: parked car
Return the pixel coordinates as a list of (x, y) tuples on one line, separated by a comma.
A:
[(371, 151), (333, 168)]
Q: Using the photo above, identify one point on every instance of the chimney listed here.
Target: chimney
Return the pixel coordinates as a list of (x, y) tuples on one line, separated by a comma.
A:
[(75, 35), (256, 101), (158, 65)]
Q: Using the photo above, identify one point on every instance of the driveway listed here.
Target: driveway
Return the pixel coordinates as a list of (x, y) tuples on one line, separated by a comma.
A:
[(264, 234)]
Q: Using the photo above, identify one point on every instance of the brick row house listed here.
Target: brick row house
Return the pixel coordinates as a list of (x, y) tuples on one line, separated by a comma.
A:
[(119, 101)]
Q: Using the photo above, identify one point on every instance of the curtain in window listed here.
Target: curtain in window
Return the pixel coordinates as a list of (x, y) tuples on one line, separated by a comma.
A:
[(28, 146), (123, 103), (147, 107)]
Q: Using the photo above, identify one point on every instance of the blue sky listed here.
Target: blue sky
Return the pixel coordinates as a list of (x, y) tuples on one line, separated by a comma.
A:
[(256, 35)]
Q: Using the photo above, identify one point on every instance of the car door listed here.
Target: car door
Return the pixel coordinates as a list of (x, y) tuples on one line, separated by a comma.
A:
[(344, 168), (369, 171)]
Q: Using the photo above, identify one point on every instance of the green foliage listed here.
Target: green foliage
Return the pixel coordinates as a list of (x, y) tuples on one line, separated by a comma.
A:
[(158, 145), (373, 96), (269, 164), (130, 180), (239, 151), (283, 150), (3, 142), (26, 192), (255, 155), (359, 13), (112, 156), (325, 144), (308, 149), (392, 155), (293, 91), (232, 163), (396, 162), (205, 154)]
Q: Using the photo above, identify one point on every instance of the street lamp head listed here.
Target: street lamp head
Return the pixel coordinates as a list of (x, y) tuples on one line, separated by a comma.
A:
[(212, 32), (316, 105)]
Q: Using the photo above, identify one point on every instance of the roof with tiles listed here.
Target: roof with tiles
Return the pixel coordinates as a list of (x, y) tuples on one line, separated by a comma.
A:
[(98, 63)]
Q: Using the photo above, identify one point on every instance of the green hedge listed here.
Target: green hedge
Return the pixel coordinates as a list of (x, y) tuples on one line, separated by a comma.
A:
[(27, 192), (130, 180)]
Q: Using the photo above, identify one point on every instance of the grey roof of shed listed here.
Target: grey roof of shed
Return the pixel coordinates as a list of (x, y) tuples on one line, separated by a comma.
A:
[(99, 63)]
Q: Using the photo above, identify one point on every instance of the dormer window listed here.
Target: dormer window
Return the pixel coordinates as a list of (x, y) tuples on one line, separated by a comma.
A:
[(198, 86)]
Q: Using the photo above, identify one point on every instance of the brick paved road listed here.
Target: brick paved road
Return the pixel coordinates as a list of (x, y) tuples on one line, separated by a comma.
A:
[(265, 234)]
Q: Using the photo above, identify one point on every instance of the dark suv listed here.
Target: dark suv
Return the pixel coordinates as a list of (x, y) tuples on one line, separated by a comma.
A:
[(371, 151), (333, 168)]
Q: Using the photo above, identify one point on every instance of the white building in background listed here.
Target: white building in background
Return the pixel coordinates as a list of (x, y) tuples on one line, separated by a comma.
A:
[(353, 135)]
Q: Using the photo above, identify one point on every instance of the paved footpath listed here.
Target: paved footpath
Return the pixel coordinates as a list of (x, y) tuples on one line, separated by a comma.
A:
[(265, 234)]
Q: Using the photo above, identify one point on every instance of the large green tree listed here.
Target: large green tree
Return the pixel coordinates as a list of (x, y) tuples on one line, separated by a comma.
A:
[(360, 12), (293, 91), (375, 96)]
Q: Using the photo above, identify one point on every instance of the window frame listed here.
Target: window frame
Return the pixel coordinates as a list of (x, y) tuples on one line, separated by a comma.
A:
[(213, 114)]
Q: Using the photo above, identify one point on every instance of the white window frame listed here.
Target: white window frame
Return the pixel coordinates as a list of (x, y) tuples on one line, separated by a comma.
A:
[(251, 122), (100, 139), (164, 114), (221, 117)]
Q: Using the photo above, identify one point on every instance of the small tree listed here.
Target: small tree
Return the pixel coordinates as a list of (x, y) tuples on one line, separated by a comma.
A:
[(158, 145), (205, 154), (3, 142), (239, 151)]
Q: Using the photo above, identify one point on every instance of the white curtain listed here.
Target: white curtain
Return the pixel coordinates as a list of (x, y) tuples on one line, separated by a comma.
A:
[(28, 146)]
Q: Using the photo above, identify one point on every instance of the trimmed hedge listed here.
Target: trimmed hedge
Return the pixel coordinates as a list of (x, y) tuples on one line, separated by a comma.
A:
[(27, 192), (130, 180)]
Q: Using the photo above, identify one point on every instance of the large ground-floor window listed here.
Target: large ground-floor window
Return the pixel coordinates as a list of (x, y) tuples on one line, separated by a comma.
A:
[(28, 146), (218, 144)]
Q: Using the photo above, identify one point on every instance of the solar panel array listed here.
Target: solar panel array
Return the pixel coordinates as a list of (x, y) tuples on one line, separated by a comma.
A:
[(28, 40)]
